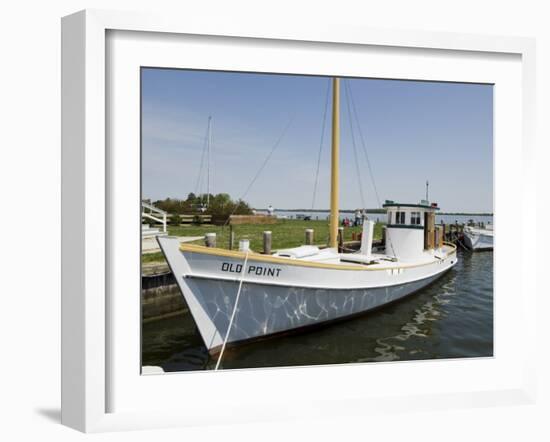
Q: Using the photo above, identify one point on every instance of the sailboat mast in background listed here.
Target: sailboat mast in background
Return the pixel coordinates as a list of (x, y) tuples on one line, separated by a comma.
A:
[(209, 141)]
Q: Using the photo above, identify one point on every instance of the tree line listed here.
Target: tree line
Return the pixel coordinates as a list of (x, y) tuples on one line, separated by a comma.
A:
[(219, 206)]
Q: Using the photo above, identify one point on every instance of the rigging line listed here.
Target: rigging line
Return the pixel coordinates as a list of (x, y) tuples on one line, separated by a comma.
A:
[(321, 145), (367, 157), (346, 86), (261, 167), (391, 247), (210, 168), (233, 313), (199, 178), (364, 146), (209, 139)]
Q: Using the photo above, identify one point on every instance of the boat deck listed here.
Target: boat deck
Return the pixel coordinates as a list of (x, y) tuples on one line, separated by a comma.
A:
[(374, 260), (311, 256)]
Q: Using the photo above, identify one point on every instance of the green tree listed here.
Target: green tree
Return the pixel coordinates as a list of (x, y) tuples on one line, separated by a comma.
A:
[(220, 206)]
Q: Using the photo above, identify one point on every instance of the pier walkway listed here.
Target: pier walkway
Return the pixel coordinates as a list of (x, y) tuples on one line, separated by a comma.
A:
[(150, 244)]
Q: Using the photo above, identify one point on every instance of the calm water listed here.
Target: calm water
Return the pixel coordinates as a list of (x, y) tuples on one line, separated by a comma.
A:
[(447, 219), (452, 318)]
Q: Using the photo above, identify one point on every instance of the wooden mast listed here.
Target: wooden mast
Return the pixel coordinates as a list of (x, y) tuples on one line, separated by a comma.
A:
[(335, 166)]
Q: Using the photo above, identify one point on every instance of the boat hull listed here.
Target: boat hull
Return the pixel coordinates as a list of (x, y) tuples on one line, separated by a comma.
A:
[(272, 307), (265, 310), (478, 241)]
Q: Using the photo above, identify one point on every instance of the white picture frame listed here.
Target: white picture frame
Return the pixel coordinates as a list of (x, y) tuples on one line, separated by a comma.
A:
[(91, 368)]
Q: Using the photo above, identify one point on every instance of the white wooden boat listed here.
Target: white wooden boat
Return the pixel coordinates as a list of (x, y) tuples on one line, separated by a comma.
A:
[(478, 238), (239, 296)]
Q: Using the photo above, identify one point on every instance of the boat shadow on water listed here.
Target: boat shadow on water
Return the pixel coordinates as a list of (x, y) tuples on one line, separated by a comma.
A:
[(451, 318)]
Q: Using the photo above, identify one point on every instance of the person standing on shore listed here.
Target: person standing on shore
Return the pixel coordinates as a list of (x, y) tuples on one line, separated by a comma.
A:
[(358, 218)]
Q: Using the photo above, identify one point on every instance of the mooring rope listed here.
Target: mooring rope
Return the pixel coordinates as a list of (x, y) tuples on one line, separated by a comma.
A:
[(462, 245), (232, 314)]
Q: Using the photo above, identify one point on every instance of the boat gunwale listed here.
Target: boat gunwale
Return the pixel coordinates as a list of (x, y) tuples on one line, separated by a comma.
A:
[(195, 248)]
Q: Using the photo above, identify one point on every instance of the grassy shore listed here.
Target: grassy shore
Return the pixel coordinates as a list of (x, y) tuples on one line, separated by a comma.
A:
[(285, 233)]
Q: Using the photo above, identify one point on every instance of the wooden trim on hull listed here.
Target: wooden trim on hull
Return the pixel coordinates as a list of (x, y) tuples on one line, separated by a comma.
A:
[(214, 351), (193, 248)]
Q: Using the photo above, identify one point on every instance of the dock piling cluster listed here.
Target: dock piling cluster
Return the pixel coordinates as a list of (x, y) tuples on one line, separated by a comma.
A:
[(452, 233)]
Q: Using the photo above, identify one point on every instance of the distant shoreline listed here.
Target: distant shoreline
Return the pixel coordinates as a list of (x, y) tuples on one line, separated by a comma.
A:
[(377, 211)]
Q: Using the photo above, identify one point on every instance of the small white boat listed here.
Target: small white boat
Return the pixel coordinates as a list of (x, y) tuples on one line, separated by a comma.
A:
[(239, 296), (478, 238)]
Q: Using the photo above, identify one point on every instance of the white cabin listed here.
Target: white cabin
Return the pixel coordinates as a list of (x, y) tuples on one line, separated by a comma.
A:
[(411, 230)]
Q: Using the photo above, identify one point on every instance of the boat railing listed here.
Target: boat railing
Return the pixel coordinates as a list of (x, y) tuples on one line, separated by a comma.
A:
[(154, 213)]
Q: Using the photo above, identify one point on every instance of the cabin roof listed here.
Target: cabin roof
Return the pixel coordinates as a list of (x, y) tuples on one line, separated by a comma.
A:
[(428, 206)]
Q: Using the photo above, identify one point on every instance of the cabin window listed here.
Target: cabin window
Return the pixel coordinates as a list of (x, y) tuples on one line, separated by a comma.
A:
[(389, 217), (399, 217), (415, 218)]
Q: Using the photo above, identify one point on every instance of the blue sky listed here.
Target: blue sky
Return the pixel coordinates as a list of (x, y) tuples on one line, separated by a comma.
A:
[(413, 132)]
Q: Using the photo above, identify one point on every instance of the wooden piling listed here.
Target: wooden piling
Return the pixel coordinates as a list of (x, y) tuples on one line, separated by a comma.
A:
[(210, 240), (231, 237), (340, 239), (309, 237), (267, 242)]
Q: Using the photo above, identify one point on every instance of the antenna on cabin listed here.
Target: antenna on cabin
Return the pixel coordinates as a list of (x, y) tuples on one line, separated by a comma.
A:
[(427, 186)]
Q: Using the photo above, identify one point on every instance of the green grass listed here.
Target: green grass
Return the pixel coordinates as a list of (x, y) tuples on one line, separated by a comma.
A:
[(156, 258), (285, 233)]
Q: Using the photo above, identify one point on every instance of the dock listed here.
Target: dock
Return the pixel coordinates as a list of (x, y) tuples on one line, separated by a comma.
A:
[(149, 244)]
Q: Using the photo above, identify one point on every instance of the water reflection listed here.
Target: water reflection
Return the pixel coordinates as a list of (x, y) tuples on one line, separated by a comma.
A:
[(392, 348)]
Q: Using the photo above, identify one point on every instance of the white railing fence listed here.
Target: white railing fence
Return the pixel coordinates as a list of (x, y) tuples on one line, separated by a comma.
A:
[(154, 213)]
